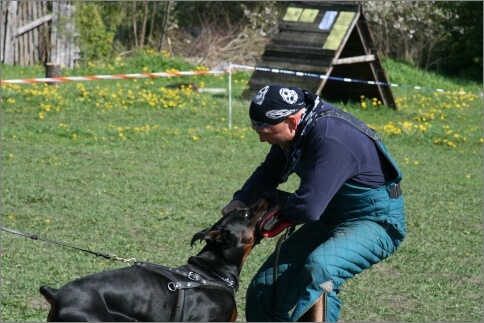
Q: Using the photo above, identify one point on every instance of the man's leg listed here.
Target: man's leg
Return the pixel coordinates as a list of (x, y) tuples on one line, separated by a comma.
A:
[(315, 254)]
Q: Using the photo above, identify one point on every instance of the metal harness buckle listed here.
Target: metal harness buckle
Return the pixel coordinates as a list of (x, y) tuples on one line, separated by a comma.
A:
[(395, 191), (193, 276)]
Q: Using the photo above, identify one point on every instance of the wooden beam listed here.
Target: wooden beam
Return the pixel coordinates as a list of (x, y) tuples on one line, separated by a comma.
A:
[(339, 50), (11, 33), (355, 59), (33, 24)]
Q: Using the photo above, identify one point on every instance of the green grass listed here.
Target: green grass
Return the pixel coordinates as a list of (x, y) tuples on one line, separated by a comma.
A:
[(126, 167)]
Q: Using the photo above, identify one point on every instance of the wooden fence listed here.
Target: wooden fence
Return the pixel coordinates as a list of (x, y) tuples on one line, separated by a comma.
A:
[(38, 32)]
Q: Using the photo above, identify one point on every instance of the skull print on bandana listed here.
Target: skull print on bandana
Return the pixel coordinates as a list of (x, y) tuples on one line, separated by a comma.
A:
[(290, 96), (274, 103), (259, 98)]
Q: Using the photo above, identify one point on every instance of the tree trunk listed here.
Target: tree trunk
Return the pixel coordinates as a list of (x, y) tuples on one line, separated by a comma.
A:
[(135, 29)]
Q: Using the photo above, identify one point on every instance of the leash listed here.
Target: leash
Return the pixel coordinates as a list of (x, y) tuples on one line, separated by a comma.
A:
[(97, 254), (288, 232)]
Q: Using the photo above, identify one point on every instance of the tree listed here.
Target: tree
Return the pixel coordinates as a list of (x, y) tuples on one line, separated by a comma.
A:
[(442, 36), (461, 53)]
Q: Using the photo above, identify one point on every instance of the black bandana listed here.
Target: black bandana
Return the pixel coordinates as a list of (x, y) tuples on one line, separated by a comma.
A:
[(274, 103)]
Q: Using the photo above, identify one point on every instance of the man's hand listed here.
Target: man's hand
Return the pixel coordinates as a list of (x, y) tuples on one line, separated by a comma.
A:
[(232, 206)]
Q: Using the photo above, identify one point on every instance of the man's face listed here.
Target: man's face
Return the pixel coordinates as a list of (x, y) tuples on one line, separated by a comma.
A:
[(279, 134)]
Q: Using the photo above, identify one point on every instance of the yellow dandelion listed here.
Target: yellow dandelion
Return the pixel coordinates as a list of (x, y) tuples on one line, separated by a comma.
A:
[(449, 143), (407, 125), (422, 128)]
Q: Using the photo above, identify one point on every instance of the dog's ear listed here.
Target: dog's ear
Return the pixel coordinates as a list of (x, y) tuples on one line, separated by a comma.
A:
[(221, 237), (260, 207), (199, 236)]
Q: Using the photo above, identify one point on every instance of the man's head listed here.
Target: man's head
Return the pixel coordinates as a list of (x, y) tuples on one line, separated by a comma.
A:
[(274, 103), (275, 113)]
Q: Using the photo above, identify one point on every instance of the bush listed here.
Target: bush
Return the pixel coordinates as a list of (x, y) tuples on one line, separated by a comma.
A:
[(95, 40)]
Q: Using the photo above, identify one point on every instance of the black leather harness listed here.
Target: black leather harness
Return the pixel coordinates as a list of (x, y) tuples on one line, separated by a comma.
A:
[(181, 280)]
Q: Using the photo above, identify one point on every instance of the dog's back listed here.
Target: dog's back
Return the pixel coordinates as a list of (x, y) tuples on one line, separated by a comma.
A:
[(145, 293), (133, 294)]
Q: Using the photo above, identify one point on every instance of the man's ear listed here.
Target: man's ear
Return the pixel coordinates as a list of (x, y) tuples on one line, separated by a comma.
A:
[(293, 121)]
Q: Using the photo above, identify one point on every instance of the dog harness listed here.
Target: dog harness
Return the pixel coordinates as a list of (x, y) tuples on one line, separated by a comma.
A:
[(180, 280)]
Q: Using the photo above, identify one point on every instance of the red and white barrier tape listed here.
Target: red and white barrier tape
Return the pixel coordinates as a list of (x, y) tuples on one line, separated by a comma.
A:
[(227, 69), (109, 77)]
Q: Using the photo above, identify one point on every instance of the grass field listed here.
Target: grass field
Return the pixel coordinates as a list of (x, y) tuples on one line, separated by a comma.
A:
[(132, 168)]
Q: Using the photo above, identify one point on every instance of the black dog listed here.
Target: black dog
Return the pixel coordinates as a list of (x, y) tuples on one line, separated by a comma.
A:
[(202, 290)]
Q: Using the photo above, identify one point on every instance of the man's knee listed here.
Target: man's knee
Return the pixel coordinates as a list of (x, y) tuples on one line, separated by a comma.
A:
[(258, 302)]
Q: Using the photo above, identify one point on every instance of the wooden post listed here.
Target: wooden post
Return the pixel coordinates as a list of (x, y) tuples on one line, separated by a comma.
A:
[(11, 33), (3, 18), (52, 70)]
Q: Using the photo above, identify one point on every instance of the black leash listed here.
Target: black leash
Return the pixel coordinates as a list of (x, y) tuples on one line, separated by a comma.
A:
[(97, 254), (288, 232)]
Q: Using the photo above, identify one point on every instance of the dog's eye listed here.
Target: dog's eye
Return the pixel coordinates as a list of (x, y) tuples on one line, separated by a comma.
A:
[(246, 214)]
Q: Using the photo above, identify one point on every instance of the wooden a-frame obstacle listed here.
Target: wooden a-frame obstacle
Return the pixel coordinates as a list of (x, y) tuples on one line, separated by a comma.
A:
[(331, 39)]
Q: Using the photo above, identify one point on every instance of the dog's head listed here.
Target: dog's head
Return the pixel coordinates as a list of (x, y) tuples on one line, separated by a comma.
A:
[(236, 233)]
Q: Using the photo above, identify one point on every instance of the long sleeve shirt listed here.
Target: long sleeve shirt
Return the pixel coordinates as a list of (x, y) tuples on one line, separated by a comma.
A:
[(334, 152)]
